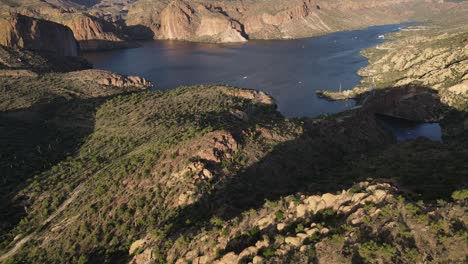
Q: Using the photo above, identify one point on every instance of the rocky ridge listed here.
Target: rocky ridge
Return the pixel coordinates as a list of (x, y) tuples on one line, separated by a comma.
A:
[(108, 79), (101, 25), (237, 21), (294, 226)]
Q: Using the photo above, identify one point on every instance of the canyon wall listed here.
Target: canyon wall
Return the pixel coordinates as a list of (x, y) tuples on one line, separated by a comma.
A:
[(235, 21), (105, 26), (92, 33), (36, 34)]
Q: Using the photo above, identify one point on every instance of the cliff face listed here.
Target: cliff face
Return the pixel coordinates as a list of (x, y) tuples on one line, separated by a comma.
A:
[(179, 20), (35, 34), (234, 21), (100, 25), (92, 33)]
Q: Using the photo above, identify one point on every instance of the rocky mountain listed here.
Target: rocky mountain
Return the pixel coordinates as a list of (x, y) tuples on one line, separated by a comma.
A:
[(111, 24), (237, 21), (36, 34)]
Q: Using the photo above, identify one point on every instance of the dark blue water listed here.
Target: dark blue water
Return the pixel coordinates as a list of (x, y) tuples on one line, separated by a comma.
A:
[(291, 71), (406, 130)]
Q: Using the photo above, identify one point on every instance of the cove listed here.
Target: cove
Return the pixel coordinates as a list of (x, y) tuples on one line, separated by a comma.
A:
[(404, 130), (289, 70)]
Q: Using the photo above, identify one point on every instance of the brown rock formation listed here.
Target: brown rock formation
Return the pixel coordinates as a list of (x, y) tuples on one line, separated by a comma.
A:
[(36, 34), (235, 21), (108, 78), (91, 32), (179, 20)]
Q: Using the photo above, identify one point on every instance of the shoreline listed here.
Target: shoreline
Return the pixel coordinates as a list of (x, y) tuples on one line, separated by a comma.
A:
[(354, 93), (275, 66)]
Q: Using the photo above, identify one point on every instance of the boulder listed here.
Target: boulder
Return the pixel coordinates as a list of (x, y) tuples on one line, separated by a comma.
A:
[(266, 221), (280, 226), (295, 241), (258, 260), (311, 231), (301, 210), (248, 252), (146, 257), (229, 258), (262, 243), (140, 243), (201, 260)]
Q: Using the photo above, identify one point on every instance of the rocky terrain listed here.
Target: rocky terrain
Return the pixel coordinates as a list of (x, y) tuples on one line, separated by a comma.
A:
[(20, 61), (97, 169), (112, 173), (103, 24), (237, 21), (433, 55)]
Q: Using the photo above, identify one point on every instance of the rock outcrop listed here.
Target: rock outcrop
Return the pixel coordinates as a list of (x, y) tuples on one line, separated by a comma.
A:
[(35, 34), (361, 213), (91, 32), (108, 79), (184, 21)]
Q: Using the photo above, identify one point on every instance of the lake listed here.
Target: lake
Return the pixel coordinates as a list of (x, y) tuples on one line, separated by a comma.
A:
[(289, 70)]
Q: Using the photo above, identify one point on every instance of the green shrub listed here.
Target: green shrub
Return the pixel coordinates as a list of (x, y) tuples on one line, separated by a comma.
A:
[(216, 221), (460, 195), (279, 215), (268, 253), (371, 252)]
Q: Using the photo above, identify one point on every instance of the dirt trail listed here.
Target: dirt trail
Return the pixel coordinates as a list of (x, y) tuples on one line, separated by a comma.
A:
[(19, 244)]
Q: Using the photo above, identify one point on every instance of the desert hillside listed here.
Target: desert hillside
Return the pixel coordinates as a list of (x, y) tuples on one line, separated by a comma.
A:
[(98, 167), (104, 171)]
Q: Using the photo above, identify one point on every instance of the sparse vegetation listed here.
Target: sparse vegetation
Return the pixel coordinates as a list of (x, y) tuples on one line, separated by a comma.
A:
[(88, 172)]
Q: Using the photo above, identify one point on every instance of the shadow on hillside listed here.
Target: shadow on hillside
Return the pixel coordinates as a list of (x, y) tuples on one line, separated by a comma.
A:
[(336, 152), (35, 139), (139, 32), (102, 45)]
